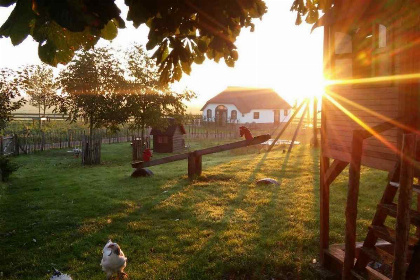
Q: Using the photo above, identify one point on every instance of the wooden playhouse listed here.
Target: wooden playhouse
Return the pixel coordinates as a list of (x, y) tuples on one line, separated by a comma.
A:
[(370, 117), (170, 140)]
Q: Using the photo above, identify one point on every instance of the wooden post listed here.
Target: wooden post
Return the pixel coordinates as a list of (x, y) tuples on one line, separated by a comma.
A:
[(324, 188), (413, 270), (42, 140), (315, 123), (324, 203), (1, 146), (403, 209), (191, 166), (198, 165), (16, 145), (418, 209), (351, 207)]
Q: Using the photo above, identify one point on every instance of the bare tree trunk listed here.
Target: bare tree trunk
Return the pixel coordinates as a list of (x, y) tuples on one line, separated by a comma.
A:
[(45, 107), (39, 116), (142, 138)]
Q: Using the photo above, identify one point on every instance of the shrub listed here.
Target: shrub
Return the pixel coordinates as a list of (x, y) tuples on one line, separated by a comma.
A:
[(7, 167)]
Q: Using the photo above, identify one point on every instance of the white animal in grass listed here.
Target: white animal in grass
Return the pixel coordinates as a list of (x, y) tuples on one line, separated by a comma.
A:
[(57, 275), (113, 260)]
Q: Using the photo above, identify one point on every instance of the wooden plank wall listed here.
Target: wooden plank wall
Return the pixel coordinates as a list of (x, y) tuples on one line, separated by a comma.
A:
[(361, 102), (178, 141)]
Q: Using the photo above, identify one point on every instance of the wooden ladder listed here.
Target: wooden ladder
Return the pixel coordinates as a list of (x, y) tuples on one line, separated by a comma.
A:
[(372, 250)]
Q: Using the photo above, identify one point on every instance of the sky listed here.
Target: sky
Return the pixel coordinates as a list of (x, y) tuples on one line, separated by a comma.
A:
[(278, 55)]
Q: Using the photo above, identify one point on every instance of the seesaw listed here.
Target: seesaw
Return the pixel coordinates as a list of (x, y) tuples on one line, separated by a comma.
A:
[(195, 158)]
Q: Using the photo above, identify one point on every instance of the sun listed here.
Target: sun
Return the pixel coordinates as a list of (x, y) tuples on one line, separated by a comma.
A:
[(297, 88)]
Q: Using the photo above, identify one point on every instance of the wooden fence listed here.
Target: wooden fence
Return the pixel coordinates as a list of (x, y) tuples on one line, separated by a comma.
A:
[(28, 143)]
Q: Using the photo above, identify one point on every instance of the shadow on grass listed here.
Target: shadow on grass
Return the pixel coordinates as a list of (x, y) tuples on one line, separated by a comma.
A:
[(157, 221)]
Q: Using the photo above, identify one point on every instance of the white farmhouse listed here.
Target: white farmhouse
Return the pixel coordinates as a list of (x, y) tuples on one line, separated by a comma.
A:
[(246, 105)]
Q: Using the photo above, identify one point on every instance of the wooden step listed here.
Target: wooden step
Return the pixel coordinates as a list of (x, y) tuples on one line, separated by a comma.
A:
[(359, 275), (388, 234), (369, 274), (392, 211), (378, 255), (416, 188)]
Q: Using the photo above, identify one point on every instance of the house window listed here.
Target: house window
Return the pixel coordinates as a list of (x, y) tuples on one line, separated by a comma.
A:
[(162, 139), (233, 115), (286, 112), (256, 115), (380, 56), (209, 116), (343, 48), (372, 50)]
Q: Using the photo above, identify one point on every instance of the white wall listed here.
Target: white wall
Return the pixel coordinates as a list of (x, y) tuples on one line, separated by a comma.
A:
[(266, 115)]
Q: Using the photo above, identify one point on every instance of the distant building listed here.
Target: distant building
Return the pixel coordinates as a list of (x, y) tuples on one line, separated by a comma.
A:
[(246, 105), (169, 140)]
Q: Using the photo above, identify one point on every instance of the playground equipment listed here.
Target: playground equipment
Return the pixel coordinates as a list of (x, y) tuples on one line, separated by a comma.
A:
[(195, 158)]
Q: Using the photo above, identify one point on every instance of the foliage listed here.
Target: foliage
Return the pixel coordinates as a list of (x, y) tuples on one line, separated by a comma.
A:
[(8, 92), (7, 167), (91, 85), (38, 82), (149, 102), (181, 32), (61, 27)]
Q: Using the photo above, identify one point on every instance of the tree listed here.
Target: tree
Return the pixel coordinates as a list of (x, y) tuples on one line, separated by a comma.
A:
[(181, 32), (149, 102), (90, 87), (38, 82), (8, 93)]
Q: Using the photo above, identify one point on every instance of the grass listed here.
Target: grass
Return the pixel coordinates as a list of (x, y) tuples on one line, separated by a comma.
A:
[(219, 226)]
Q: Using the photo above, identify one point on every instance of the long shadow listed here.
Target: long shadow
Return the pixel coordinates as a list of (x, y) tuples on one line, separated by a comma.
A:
[(76, 227), (188, 266), (267, 226), (123, 215)]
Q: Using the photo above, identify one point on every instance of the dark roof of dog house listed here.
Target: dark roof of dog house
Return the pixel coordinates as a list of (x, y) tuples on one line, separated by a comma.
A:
[(170, 130)]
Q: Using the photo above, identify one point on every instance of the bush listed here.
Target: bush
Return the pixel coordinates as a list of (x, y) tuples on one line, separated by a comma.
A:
[(7, 167)]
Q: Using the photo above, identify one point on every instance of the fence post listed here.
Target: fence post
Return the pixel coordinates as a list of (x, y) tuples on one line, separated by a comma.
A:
[(42, 140), (16, 144)]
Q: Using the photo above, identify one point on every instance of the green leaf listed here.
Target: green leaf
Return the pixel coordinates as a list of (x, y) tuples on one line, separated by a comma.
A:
[(47, 53), (18, 25), (202, 46), (177, 72), (199, 58), (110, 31), (298, 19), (186, 67), (235, 55)]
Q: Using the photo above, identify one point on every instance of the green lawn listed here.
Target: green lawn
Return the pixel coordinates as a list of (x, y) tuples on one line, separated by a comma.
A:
[(220, 226)]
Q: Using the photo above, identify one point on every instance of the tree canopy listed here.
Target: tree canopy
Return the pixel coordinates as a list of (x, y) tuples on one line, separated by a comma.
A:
[(90, 87), (9, 95), (38, 82), (180, 32), (149, 103)]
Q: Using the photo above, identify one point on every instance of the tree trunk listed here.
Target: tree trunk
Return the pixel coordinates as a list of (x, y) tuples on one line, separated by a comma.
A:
[(142, 139), (39, 116)]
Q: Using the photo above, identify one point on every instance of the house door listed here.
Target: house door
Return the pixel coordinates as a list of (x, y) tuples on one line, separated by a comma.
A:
[(221, 115), (276, 116)]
